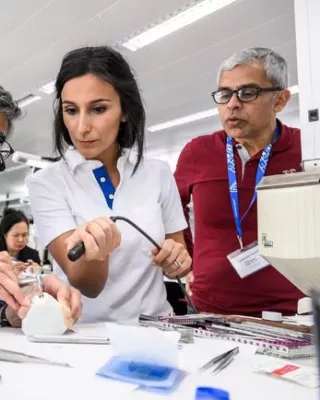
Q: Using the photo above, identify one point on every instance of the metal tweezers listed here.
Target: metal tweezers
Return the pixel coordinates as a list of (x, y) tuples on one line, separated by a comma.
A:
[(16, 357), (220, 362)]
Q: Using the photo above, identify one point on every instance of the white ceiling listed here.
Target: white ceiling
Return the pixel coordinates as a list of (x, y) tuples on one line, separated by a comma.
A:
[(176, 74)]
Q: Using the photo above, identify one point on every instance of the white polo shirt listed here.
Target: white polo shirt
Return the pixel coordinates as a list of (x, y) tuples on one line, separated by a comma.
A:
[(69, 193)]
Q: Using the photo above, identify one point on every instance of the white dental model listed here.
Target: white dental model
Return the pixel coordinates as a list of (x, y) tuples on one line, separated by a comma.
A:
[(45, 317)]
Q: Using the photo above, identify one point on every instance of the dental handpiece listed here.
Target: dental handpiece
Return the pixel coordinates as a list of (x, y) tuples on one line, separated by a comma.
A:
[(36, 280)]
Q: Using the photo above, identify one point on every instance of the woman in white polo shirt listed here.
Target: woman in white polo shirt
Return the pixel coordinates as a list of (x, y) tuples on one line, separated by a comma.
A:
[(99, 117)]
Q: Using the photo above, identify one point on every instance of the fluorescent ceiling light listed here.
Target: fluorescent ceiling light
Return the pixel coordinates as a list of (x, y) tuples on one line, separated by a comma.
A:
[(179, 20), (184, 120), (21, 189), (28, 100), (198, 116), (48, 88), (11, 197), (31, 160), (24, 201)]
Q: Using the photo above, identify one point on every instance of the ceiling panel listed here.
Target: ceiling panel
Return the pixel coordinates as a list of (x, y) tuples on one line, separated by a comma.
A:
[(11, 20), (214, 32), (176, 74), (98, 22)]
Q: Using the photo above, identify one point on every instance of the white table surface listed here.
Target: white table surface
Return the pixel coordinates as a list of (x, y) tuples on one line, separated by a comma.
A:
[(35, 382)]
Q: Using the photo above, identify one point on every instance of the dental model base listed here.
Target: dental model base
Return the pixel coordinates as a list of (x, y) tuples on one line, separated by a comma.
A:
[(45, 317)]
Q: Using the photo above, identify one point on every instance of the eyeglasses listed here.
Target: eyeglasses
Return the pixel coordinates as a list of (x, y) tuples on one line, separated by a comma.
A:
[(245, 94), (5, 151)]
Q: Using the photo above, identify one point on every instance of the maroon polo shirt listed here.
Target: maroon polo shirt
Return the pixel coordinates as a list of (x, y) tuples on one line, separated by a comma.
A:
[(202, 173)]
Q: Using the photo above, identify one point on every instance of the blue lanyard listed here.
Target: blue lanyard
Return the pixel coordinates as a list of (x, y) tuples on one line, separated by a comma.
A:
[(233, 185)]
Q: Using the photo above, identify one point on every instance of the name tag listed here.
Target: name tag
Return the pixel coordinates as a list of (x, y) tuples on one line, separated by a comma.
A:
[(247, 261)]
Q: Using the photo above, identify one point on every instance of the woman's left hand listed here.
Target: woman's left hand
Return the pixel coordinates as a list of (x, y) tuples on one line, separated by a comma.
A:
[(173, 258)]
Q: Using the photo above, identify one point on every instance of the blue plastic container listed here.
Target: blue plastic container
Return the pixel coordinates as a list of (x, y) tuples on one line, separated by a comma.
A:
[(210, 393)]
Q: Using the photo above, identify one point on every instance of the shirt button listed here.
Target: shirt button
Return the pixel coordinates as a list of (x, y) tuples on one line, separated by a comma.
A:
[(239, 146), (111, 196), (103, 179)]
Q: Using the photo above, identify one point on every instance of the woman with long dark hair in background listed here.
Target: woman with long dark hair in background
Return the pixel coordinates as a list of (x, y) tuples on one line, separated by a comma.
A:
[(14, 237)]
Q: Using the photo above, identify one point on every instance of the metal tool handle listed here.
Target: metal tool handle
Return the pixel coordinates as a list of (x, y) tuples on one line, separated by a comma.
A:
[(76, 252), (24, 282), (36, 280)]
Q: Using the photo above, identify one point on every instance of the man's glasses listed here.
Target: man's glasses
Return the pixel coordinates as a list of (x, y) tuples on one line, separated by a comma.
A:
[(246, 94), (5, 151)]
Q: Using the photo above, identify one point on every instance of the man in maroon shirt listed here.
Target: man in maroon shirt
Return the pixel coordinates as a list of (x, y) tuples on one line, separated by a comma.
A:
[(252, 89)]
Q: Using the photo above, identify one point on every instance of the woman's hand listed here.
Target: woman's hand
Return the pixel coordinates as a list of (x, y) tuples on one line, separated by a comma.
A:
[(67, 296), (173, 258), (100, 237), (10, 290)]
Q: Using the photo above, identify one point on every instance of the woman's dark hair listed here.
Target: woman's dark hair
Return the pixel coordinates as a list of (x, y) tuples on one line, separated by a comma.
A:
[(10, 218), (110, 66)]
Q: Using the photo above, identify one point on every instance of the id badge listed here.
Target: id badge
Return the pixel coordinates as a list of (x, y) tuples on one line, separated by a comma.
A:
[(247, 261)]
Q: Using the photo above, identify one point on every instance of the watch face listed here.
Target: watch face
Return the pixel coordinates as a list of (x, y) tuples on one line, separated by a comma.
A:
[(5, 323), (3, 318)]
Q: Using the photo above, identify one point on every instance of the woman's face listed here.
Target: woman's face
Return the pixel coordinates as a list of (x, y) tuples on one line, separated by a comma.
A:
[(92, 114), (17, 237)]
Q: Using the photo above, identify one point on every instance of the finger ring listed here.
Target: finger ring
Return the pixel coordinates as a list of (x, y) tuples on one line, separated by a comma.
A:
[(177, 264)]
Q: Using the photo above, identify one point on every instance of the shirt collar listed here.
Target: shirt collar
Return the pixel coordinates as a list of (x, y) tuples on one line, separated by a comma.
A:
[(74, 160), (285, 138)]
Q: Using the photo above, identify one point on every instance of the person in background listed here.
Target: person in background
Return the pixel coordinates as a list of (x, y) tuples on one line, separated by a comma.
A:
[(99, 120), (14, 237), (14, 303), (220, 172)]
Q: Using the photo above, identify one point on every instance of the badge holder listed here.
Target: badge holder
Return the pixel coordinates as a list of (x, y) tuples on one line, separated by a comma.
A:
[(247, 260)]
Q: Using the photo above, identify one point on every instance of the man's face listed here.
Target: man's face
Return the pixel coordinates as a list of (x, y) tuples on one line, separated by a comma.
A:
[(3, 124), (242, 120)]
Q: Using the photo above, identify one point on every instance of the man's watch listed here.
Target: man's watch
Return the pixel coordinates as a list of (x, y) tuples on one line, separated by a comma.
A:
[(4, 323)]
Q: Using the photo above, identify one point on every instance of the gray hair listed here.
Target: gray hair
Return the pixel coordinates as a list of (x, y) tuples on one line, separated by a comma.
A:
[(9, 107), (273, 63)]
